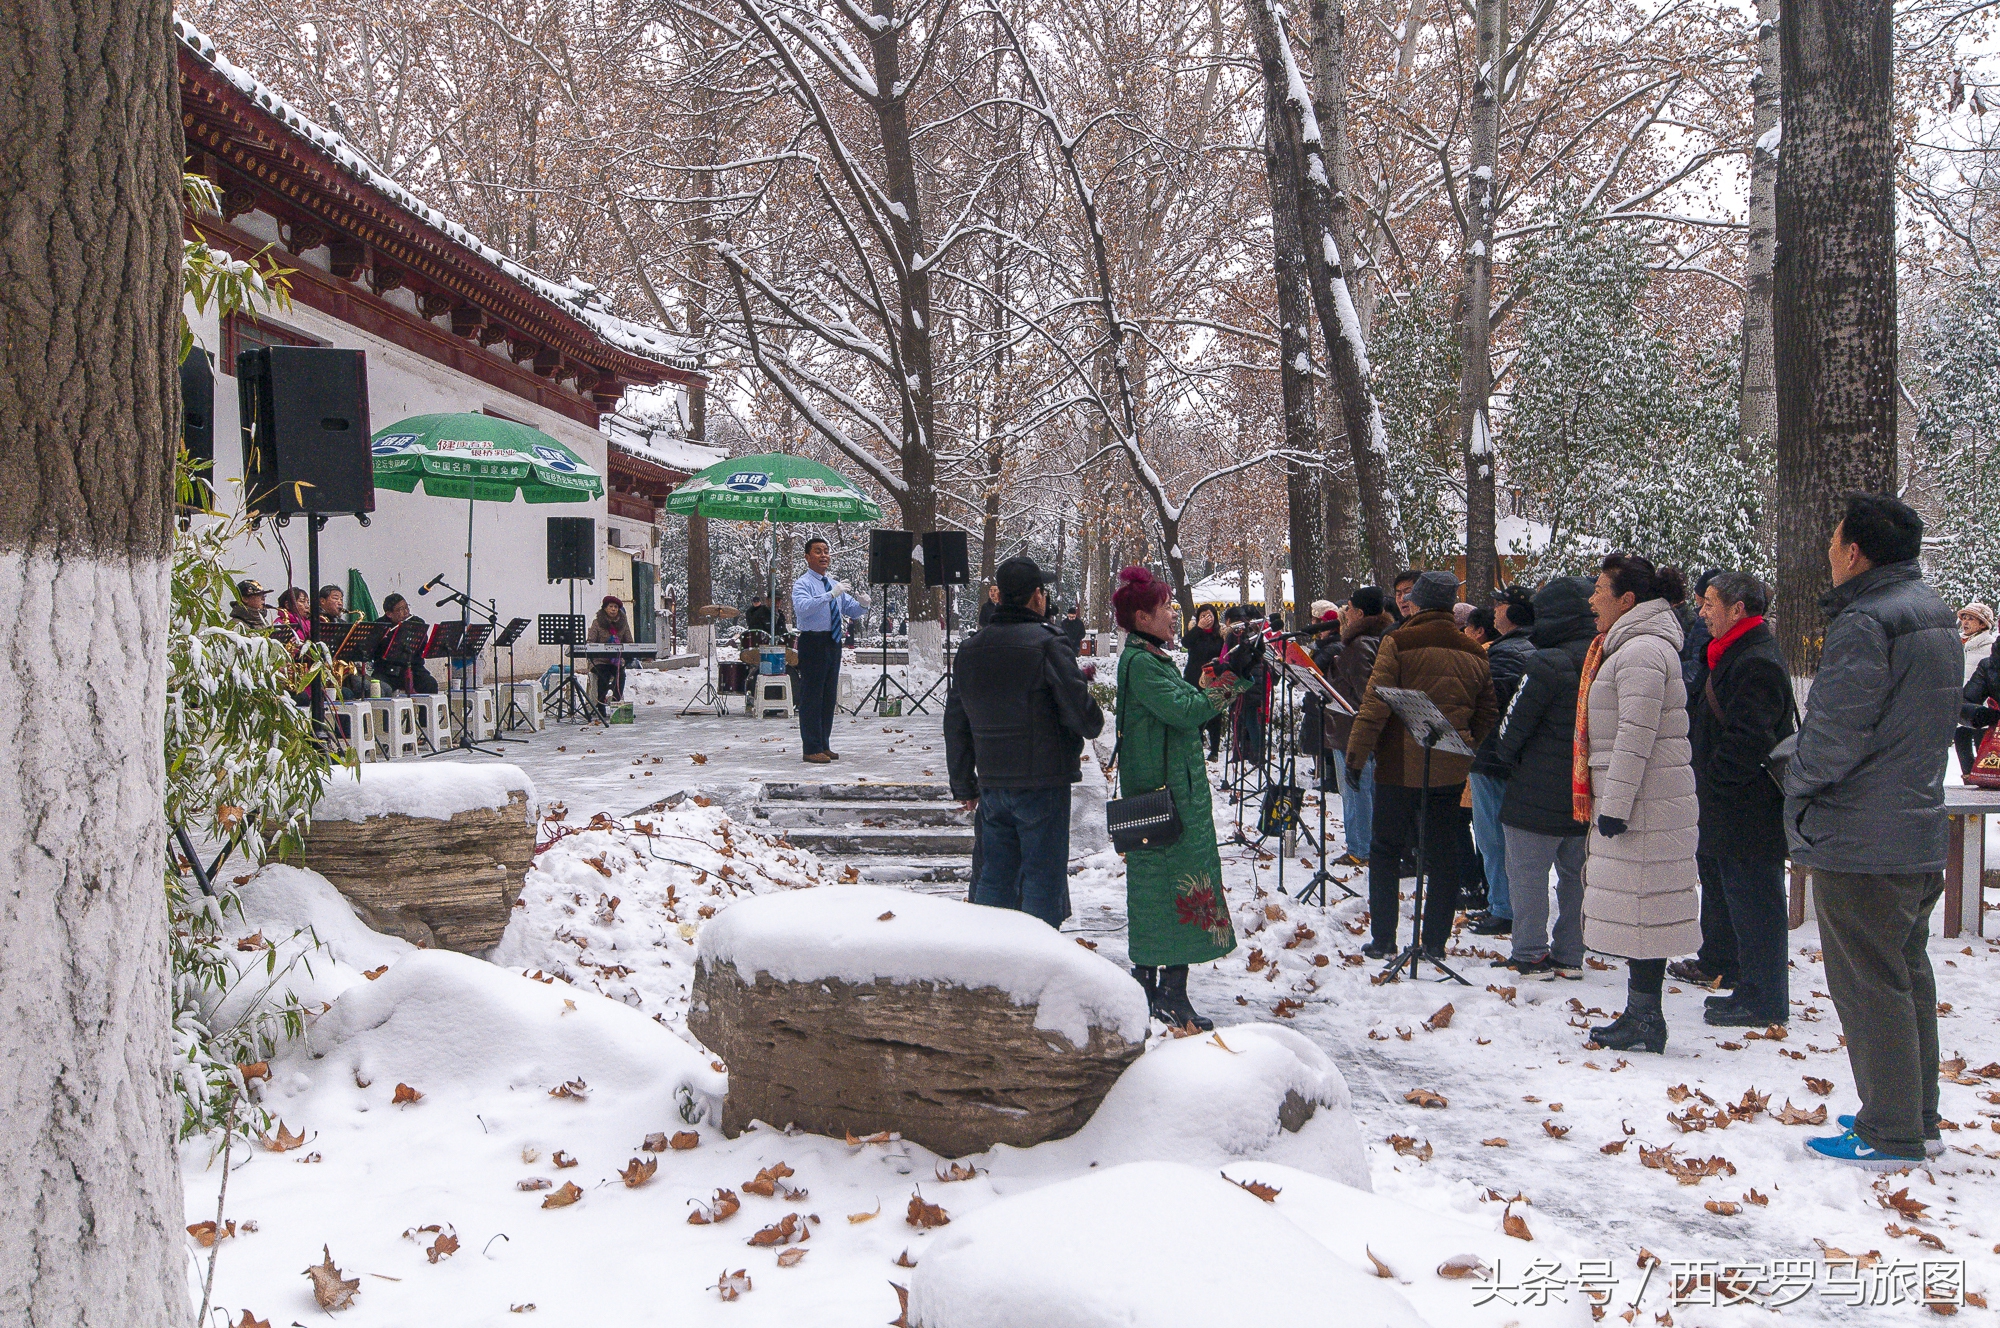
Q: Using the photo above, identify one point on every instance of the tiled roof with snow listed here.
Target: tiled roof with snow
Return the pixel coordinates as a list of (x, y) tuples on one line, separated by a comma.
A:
[(578, 299)]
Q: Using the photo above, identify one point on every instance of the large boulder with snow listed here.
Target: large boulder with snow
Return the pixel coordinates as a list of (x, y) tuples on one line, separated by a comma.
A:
[(1145, 1245), (859, 1009), (433, 853)]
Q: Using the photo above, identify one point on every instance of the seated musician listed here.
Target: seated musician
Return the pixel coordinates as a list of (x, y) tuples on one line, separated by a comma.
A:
[(249, 606), (399, 656), (759, 619), (331, 610), (610, 627)]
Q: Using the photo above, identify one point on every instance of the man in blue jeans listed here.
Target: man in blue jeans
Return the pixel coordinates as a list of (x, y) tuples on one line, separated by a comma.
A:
[(1015, 721), (1507, 655)]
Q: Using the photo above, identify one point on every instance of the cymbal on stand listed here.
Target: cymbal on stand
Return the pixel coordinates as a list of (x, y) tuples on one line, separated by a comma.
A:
[(712, 612)]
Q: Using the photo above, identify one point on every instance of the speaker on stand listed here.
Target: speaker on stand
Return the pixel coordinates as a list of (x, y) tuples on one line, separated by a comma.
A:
[(888, 565), (572, 557), (945, 564), (198, 428), (303, 413)]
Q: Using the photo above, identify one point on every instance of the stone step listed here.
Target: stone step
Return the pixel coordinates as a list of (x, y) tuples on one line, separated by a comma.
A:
[(866, 815), (930, 875), (813, 791), (861, 843)]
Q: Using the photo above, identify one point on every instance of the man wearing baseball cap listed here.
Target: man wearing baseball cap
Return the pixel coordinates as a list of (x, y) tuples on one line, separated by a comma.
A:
[(1015, 721), (249, 606)]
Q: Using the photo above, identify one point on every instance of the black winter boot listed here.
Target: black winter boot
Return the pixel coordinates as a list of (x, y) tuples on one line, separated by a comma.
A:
[(1643, 1025), (1149, 980), (1174, 1000)]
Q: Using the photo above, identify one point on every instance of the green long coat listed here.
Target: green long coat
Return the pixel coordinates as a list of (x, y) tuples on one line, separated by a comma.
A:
[(1174, 904)]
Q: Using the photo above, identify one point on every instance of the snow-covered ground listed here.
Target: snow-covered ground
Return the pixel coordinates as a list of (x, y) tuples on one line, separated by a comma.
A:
[(1525, 1125)]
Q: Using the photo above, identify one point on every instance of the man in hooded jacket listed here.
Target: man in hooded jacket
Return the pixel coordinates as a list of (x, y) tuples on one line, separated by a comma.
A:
[(1535, 745)]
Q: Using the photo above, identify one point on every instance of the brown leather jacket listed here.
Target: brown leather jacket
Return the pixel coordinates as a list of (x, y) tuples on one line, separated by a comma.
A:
[(1428, 654)]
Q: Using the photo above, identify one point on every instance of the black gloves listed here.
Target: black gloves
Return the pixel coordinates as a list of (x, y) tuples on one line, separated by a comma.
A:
[(1354, 773), (1979, 716), (1610, 827)]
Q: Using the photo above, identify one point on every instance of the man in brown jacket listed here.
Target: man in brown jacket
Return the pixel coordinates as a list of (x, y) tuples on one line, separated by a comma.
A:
[(1428, 654)]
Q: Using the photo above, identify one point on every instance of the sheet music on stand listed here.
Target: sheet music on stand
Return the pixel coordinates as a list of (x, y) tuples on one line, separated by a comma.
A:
[(473, 640), (1299, 667), (1424, 720), (511, 633), (445, 639), (352, 643)]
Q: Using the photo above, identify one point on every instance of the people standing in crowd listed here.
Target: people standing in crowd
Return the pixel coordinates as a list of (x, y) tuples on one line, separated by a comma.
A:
[(1175, 908), (1507, 654), (1429, 654), (1204, 647), (1015, 721), (248, 610), (1247, 712), (1744, 710), (822, 607), (612, 627), (1635, 789), (1714, 965), (1976, 711), (1975, 634), (1864, 808), (1401, 605), (1537, 747), (1363, 622), (1072, 628), (990, 605), (1694, 647), (399, 660)]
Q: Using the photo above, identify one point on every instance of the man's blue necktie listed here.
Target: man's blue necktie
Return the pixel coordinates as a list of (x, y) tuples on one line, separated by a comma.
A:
[(833, 608)]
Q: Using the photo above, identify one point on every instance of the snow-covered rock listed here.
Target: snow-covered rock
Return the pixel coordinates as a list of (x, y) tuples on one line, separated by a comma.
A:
[(437, 790), (1256, 1091), (857, 1009), (1146, 1245)]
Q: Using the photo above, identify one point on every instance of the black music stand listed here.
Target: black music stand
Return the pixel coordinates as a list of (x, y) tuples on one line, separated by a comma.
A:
[(509, 634), (881, 687), (706, 697), (1304, 674), (446, 642), (1433, 732), (350, 643), (570, 703)]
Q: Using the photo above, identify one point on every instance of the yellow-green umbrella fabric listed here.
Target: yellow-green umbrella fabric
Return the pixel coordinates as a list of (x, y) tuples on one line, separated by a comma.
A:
[(481, 457)]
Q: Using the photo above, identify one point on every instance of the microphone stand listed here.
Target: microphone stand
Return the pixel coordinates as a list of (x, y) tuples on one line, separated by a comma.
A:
[(490, 611)]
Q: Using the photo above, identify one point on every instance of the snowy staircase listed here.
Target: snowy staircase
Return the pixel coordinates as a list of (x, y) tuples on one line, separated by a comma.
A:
[(886, 832)]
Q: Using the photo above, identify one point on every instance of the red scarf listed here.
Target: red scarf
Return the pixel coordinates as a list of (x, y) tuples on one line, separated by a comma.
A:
[(1580, 798), (1722, 643)]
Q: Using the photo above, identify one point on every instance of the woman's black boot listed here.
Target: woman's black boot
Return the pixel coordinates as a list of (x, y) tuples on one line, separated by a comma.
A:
[(1174, 999), (1643, 1025), (1149, 981)]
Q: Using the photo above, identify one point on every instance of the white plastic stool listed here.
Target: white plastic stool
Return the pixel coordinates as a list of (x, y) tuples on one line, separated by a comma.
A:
[(427, 719), (480, 724), (527, 697), (395, 727), (354, 721), (771, 694)]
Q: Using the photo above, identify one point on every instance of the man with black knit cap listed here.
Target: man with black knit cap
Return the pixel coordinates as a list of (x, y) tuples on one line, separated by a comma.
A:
[(1015, 721), (1428, 654)]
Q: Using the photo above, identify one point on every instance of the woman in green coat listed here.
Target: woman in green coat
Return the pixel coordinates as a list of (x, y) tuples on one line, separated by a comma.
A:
[(1175, 908)]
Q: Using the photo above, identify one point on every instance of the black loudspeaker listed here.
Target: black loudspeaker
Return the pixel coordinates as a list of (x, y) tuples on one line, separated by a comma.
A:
[(304, 412), (889, 557), (572, 548), (944, 558), (198, 407)]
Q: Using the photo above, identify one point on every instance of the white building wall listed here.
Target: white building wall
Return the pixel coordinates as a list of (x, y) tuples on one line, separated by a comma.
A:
[(412, 537)]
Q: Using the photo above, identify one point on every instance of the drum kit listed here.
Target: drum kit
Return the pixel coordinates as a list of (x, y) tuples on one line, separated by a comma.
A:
[(734, 673)]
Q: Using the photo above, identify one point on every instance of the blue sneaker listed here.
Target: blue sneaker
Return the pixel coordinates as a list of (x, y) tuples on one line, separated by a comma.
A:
[(1932, 1147), (1855, 1151)]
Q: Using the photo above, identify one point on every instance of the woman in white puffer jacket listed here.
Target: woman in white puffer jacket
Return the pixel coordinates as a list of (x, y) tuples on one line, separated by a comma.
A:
[(1641, 894)]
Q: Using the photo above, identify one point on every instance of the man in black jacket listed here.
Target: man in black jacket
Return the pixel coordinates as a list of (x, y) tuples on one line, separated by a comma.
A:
[(1364, 620), (1507, 655), (1744, 709), (1537, 736), (1014, 725)]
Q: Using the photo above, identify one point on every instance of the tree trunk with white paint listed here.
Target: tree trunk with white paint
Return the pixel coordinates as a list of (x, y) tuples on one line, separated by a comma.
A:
[(1475, 382), (89, 412), (1833, 292)]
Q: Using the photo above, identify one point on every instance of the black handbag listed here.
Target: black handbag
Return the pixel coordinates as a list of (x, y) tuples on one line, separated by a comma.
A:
[(1143, 820)]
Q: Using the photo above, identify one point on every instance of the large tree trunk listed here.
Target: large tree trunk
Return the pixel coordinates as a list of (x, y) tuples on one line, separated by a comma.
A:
[(1297, 136), (1304, 503), (1339, 572), (1834, 292), (1757, 395), (1475, 379), (89, 417)]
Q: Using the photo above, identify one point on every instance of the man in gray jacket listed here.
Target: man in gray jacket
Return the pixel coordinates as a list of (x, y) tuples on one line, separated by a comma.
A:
[(1864, 808)]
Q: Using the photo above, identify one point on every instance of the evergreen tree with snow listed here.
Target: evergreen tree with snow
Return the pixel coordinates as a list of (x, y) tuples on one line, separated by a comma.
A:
[(1955, 459)]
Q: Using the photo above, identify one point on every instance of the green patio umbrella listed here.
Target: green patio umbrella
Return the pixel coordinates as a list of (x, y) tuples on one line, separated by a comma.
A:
[(774, 487), (481, 458), (358, 597)]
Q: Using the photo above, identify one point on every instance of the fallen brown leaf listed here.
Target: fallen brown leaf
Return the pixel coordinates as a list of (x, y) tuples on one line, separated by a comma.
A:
[(725, 1206), (1761, 1200), (1441, 1019), (1722, 1207), (790, 1257), (330, 1290), (1424, 1097), (249, 1322), (1615, 1146), (533, 1183), (781, 1232), (405, 1095), (1409, 1147), (1903, 1203), (957, 1171), (858, 1218), (1825, 1086), (443, 1247), (563, 1197), (563, 1161), (1382, 1270), (1461, 1266), (1493, 1143), (1516, 1226), (1268, 1193), (886, 917), (1553, 1130), (637, 1172), (903, 1299), (204, 1232), (923, 1214), (766, 1183), (1791, 1115), (282, 1142), (374, 973), (729, 1285)]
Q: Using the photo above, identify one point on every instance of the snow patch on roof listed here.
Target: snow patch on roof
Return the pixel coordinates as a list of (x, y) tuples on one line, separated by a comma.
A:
[(577, 298)]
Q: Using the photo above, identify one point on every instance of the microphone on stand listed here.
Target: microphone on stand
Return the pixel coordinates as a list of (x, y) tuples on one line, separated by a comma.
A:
[(429, 585)]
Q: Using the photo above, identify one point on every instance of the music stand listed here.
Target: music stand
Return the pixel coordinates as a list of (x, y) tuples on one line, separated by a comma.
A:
[(1433, 732), (1298, 668), (349, 643), (706, 697), (570, 702), (505, 641)]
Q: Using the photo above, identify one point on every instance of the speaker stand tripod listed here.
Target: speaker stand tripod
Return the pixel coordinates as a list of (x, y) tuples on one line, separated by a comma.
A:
[(881, 687), (706, 697)]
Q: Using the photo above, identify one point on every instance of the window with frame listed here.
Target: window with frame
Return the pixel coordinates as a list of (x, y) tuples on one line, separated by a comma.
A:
[(240, 332)]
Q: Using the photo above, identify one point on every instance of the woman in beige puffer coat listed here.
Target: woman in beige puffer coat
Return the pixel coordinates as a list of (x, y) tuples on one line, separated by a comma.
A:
[(1641, 894)]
